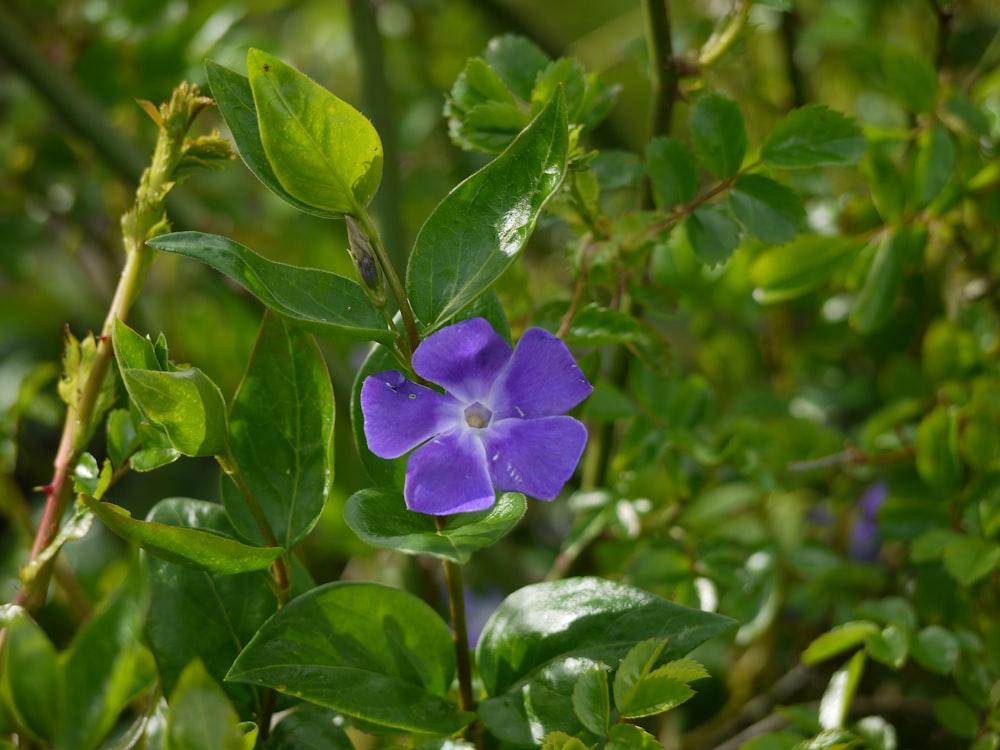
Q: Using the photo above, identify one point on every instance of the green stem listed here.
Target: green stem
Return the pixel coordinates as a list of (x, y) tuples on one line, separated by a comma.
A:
[(398, 291), (719, 44), (663, 66)]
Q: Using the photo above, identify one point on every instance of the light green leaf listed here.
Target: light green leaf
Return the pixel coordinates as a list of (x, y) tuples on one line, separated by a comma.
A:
[(767, 209), (517, 61), (654, 694), (318, 301), (886, 183), (352, 646), (380, 518), (835, 705), (885, 277), (891, 646), (791, 270), (480, 227), (630, 737), (893, 610), (323, 151), (562, 741), (673, 171), (813, 136), (718, 134), (591, 701), (970, 558), (938, 461), (638, 663), (842, 638), (185, 546), (911, 78), (712, 233)]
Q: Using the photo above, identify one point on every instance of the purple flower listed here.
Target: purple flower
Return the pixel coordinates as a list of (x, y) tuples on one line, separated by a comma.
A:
[(496, 427)]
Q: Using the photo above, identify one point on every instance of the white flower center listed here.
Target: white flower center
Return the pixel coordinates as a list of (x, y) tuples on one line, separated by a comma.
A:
[(477, 416)]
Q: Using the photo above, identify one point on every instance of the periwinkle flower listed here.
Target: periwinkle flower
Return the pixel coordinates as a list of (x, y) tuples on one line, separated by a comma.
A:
[(499, 425)]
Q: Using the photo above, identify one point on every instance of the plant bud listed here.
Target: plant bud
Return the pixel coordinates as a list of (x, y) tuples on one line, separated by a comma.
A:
[(366, 262)]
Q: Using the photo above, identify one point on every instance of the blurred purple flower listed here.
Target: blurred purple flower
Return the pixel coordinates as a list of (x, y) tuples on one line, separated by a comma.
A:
[(497, 426), (863, 541)]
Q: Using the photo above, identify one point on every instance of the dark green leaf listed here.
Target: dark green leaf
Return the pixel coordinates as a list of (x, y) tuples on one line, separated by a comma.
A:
[(673, 170), (517, 61), (123, 437), (309, 727), (885, 277), (767, 209), (630, 737), (813, 136), (234, 96), (200, 716), (936, 649), (712, 233), (31, 682), (842, 638), (957, 717), (912, 79), (185, 546), (935, 163), (886, 183), (323, 151), (381, 519), (718, 133), (319, 301), (480, 227), (938, 461), (591, 702), (893, 610), (791, 270), (281, 435), (363, 649)]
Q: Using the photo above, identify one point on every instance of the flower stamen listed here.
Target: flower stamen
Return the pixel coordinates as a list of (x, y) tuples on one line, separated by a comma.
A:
[(478, 416)]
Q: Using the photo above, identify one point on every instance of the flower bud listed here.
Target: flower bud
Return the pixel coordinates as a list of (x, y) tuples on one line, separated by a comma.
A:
[(365, 261)]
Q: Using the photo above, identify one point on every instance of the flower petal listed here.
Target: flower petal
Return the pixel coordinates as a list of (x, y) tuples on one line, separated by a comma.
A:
[(542, 379), (464, 358), (448, 475), (400, 415), (534, 456)]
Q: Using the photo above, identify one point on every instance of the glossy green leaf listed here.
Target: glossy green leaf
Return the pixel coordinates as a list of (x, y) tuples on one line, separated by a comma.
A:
[(363, 649), (935, 163), (233, 95), (886, 184), (480, 227), (813, 136), (186, 405), (318, 301), (835, 705), (380, 518), (101, 669), (938, 461), (200, 716), (718, 134), (891, 646), (630, 737), (281, 435), (309, 727), (31, 683), (791, 270), (591, 700), (196, 614), (936, 649), (122, 436), (768, 210), (132, 350), (911, 78), (842, 638), (673, 171), (712, 233), (970, 558), (585, 617), (323, 151), (885, 277), (185, 546)]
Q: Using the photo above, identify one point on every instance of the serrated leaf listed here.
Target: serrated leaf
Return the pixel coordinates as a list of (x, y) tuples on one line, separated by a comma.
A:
[(712, 233), (562, 741), (185, 546), (842, 638), (673, 171), (638, 662), (323, 151), (654, 694), (348, 646), (318, 301), (480, 227), (518, 61), (281, 435), (630, 737), (813, 136), (767, 209), (380, 518), (718, 134), (568, 74), (885, 277), (788, 271), (591, 701), (684, 670)]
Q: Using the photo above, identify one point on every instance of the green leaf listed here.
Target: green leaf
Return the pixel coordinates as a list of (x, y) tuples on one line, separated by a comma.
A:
[(603, 326), (200, 716), (938, 461), (281, 435), (132, 350), (234, 96), (309, 727), (791, 270), (957, 717), (934, 165), (885, 277), (102, 667), (970, 558), (31, 683), (886, 184), (931, 544), (684, 670), (318, 301), (630, 737), (654, 694), (567, 74), (480, 227), (366, 650), (893, 610), (767, 209), (911, 78), (562, 741), (380, 518), (196, 614), (718, 134), (673, 171), (842, 638), (482, 113), (813, 136), (185, 546), (638, 662), (712, 233), (186, 405), (123, 437), (517, 61), (891, 646), (591, 702), (936, 649), (835, 705), (323, 151)]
